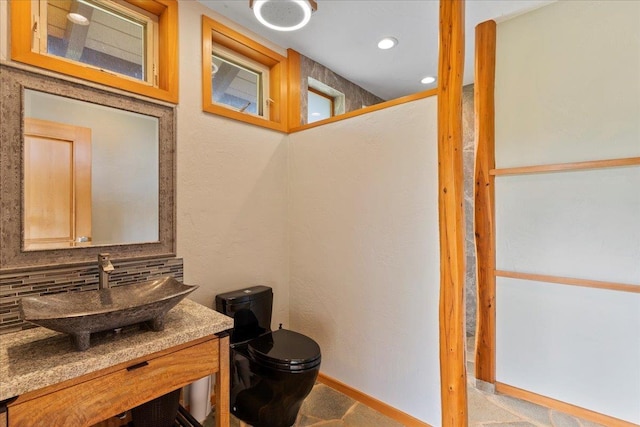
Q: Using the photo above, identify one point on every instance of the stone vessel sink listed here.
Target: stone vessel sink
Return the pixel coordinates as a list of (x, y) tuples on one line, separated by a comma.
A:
[(81, 313)]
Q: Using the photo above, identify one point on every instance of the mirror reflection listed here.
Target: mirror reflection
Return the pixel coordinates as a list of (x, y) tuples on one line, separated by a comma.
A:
[(90, 174)]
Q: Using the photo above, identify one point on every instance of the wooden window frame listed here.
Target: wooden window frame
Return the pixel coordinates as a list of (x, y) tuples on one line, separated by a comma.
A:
[(166, 88), (214, 32), (326, 96)]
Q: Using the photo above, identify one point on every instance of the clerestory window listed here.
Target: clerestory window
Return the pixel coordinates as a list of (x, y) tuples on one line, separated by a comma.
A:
[(128, 44), (242, 79)]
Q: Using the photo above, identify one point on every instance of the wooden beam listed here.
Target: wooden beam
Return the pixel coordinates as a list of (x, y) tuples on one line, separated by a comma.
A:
[(571, 281), (453, 381), (485, 68), (568, 167), (221, 388)]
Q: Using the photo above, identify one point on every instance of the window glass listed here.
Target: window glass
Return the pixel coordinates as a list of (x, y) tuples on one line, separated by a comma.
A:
[(319, 107), (126, 44), (242, 79), (101, 35), (236, 86)]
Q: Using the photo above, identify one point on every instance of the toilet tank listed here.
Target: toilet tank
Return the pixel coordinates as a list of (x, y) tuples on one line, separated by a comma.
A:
[(250, 309)]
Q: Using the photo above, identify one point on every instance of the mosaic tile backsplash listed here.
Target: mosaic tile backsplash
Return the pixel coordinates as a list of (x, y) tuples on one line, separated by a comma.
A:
[(16, 285)]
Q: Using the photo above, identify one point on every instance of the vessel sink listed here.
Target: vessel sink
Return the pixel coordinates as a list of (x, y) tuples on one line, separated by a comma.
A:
[(81, 313)]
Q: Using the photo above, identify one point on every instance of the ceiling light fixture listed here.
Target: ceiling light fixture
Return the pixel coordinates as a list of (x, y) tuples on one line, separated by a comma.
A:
[(283, 15), (428, 80), (387, 43), (76, 18)]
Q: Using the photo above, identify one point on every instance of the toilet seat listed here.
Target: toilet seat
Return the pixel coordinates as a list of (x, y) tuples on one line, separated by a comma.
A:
[(285, 350)]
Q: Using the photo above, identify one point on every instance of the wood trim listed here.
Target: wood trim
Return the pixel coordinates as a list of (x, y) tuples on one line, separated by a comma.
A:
[(213, 31), (278, 111), (221, 388), (558, 405), (565, 167), (329, 98), (238, 42), (484, 218), (168, 55), (453, 378), (156, 7), (373, 403), (167, 90), (585, 283), (369, 109), (294, 96)]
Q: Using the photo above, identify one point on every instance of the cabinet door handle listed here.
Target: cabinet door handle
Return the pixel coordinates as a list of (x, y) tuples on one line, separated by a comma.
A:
[(137, 366)]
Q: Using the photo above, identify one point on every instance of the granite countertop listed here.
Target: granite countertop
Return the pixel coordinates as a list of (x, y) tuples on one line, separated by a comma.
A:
[(36, 358)]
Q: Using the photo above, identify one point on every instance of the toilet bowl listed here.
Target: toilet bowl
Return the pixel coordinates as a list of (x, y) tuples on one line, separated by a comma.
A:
[(271, 371)]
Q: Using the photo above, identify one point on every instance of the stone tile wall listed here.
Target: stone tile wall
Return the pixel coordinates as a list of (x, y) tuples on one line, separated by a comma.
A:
[(15, 285), (468, 153), (355, 96)]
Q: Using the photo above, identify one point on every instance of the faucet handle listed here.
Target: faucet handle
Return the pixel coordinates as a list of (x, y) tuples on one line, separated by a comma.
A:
[(104, 261)]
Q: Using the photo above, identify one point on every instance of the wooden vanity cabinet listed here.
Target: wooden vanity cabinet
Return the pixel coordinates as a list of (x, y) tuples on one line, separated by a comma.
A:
[(94, 397)]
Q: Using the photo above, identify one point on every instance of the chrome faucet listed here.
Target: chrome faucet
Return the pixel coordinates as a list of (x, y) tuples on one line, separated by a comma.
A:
[(104, 269)]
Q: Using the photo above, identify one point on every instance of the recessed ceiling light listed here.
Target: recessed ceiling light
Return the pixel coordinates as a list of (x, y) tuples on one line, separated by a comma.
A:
[(428, 80), (76, 18), (387, 43)]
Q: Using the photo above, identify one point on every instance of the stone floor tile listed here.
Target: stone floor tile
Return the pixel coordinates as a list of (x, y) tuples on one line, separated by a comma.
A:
[(326, 404), (511, 424), (560, 419), (586, 423), (527, 410), (481, 410), (306, 420), (471, 368), (363, 416), (331, 423)]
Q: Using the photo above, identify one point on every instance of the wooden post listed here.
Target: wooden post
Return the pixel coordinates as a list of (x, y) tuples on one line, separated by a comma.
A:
[(222, 383), (451, 215), (485, 69), (293, 80)]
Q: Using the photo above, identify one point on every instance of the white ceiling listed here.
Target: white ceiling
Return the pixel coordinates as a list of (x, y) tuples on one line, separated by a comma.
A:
[(343, 36)]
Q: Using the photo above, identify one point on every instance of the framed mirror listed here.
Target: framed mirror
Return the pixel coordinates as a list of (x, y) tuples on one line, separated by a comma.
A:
[(111, 186)]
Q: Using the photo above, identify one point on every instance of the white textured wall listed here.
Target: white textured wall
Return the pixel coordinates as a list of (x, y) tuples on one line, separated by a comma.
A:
[(364, 252), (583, 224), (232, 190), (576, 345), (568, 90), (567, 82)]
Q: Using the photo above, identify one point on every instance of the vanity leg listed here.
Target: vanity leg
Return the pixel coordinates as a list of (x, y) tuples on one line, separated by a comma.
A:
[(81, 340), (156, 324), (222, 383)]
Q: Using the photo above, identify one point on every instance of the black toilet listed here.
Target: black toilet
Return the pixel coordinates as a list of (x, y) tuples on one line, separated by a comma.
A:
[(271, 371)]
